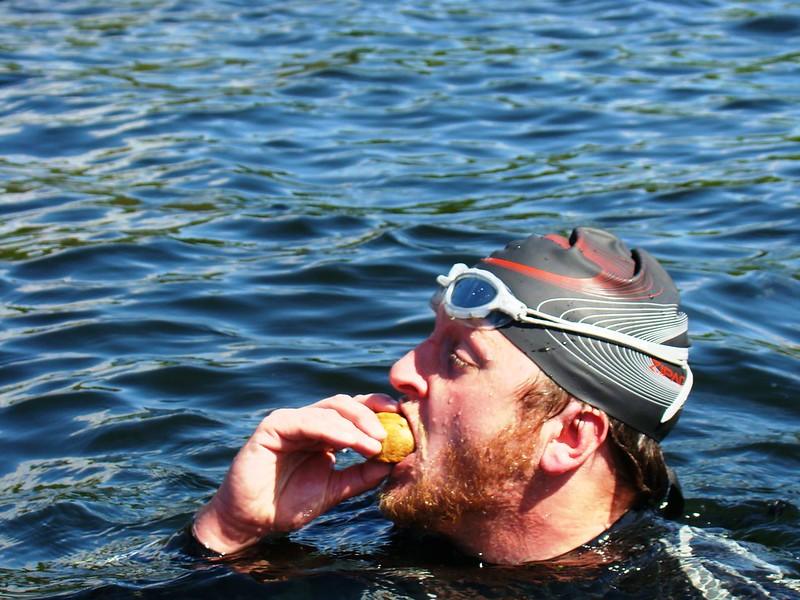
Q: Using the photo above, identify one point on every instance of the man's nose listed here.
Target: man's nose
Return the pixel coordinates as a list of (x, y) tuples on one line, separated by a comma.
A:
[(406, 378)]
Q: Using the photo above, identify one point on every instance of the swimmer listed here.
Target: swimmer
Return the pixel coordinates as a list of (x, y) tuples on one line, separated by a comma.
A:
[(536, 406)]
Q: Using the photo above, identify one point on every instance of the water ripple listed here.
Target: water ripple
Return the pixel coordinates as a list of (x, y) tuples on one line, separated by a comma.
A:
[(213, 209)]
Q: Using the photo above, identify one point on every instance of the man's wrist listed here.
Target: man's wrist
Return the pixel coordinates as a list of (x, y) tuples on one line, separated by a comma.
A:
[(217, 534)]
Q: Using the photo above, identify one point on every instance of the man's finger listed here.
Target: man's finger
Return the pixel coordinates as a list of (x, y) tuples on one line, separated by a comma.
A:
[(358, 410), (378, 402), (313, 428), (357, 479)]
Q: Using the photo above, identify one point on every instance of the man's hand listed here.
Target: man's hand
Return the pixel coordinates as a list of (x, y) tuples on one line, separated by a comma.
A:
[(284, 476)]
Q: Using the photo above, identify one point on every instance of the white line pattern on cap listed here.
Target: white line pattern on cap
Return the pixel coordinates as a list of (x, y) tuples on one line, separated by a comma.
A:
[(627, 368)]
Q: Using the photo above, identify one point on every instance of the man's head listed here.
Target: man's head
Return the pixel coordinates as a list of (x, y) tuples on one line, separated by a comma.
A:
[(555, 365), (632, 361)]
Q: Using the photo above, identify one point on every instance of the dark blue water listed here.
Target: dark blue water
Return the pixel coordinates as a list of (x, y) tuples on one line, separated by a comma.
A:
[(211, 209)]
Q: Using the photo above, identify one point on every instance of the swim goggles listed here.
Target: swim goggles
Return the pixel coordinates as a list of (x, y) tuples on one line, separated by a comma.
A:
[(484, 301)]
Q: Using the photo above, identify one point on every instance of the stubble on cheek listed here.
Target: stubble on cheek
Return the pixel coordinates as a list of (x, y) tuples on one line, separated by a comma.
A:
[(463, 478)]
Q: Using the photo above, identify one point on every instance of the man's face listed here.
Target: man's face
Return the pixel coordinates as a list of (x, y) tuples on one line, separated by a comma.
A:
[(461, 388)]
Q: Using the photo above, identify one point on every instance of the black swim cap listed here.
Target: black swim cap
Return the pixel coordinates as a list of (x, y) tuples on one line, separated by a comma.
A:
[(593, 278)]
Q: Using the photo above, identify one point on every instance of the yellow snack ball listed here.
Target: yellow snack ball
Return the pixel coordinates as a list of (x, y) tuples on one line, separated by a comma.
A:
[(399, 442)]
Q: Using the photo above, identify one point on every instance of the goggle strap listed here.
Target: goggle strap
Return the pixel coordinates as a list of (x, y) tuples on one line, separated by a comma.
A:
[(670, 354), (682, 396)]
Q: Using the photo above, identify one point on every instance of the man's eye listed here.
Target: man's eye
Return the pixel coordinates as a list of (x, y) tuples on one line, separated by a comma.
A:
[(457, 362)]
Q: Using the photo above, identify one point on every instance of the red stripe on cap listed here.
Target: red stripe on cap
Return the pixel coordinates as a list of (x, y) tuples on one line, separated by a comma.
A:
[(601, 284), (558, 239), (571, 283)]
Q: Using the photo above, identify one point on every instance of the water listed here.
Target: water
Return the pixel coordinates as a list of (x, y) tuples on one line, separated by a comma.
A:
[(211, 209)]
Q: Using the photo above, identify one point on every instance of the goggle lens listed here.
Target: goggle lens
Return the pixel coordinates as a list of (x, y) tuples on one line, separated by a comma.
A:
[(472, 292), (468, 293)]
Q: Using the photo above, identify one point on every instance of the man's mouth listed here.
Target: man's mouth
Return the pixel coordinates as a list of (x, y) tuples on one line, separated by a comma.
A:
[(416, 429)]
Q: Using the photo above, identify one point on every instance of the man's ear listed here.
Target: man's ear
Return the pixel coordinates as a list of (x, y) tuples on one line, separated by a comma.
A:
[(571, 437)]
